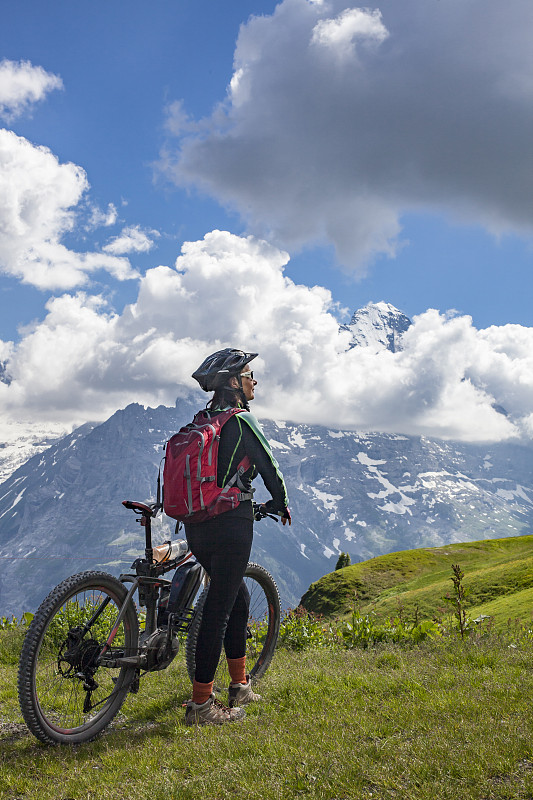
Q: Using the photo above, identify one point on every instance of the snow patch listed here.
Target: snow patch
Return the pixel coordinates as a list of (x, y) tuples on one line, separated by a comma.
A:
[(296, 439), (279, 445), (394, 508), (328, 500), (17, 500), (302, 551), (366, 461), (399, 507), (511, 494)]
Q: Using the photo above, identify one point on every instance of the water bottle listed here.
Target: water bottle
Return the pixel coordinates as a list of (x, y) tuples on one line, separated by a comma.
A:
[(163, 552)]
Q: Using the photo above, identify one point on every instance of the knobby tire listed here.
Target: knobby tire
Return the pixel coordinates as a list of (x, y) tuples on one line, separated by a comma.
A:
[(50, 687)]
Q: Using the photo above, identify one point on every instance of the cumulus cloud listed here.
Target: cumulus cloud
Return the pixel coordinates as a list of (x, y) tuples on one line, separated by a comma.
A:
[(84, 360), (22, 85), (340, 119), (38, 200), (131, 240), (99, 218), (340, 33)]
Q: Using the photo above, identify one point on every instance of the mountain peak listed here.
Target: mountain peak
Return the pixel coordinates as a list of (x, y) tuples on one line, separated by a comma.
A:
[(379, 326)]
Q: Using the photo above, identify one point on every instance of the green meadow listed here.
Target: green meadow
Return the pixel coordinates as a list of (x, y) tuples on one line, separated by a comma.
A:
[(443, 718), (412, 583)]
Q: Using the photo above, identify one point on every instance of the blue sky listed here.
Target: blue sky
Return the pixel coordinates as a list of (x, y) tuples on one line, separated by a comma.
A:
[(121, 63), (370, 202)]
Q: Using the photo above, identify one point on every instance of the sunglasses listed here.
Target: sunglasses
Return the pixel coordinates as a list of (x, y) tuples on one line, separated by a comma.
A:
[(248, 374)]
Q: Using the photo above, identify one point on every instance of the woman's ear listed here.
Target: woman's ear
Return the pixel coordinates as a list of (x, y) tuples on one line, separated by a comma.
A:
[(234, 383)]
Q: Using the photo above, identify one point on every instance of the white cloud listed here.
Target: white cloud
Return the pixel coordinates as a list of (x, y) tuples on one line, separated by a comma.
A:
[(38, 198), (339, 120), (21, 85), (131, 240), (106, 218), (83, 361), (340, 33)]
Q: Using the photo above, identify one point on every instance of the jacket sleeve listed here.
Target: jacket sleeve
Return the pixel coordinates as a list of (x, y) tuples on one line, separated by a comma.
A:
[(260, 454)]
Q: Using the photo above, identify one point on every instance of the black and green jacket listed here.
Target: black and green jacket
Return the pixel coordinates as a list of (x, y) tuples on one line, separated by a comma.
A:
[(242, 436)]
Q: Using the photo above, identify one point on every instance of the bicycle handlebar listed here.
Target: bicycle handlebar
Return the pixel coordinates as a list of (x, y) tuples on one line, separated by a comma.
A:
[(260, 512), (152, 510)]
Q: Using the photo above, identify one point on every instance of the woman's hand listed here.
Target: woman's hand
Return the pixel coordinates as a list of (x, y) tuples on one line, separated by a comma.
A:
[(286, 516), (269, 508)]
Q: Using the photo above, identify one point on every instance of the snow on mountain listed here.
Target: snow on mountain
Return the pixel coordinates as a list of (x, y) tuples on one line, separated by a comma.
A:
[(378, 326), (365, 494), (19, 441)]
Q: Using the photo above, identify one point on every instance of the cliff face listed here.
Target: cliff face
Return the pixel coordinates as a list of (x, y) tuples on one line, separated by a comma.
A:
[(365, 494)]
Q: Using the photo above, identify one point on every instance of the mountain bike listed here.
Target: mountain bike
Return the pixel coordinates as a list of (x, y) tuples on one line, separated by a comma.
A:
[(89, 644)]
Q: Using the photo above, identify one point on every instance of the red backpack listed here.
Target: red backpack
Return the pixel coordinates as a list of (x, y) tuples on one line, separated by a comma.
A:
[(190, 492)]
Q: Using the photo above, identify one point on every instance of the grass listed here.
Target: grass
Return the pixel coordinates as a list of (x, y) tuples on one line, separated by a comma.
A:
[(445, 719), (498, 571)]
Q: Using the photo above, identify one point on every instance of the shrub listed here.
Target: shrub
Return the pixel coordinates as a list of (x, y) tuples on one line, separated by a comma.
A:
[(301, 629), (13, 623), (364, 631)]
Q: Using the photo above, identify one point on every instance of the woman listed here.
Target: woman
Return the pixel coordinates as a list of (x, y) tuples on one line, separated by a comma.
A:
[(222, 544)]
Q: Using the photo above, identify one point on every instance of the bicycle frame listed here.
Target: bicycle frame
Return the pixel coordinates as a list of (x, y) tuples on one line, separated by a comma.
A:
[(67, 693), (148, 581)]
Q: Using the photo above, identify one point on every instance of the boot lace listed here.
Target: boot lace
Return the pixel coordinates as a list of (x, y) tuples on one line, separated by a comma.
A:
[(220, 705)]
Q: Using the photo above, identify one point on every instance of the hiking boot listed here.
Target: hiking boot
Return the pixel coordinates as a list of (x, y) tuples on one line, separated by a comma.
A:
[(240, 694), (212, 712)]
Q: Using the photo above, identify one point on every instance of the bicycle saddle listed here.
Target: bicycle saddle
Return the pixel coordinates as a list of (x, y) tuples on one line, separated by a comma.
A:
[(142, 508)]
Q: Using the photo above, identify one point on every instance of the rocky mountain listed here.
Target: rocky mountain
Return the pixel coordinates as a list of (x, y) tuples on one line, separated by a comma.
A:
[(378, 326), (365, 494)]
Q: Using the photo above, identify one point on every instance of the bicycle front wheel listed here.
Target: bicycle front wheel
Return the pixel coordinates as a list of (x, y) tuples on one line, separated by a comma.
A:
[(263, 628), (66, 694)]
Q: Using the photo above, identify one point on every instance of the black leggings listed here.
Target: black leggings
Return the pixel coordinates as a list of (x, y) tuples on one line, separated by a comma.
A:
[(222, 546)]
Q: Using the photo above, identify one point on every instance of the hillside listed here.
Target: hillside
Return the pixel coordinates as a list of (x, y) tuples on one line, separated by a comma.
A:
[(498, 573), (365, 493), (368, 494)]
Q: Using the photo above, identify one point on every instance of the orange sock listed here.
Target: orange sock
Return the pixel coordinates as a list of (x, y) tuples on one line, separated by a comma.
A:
[(237, 669), (201, 692)]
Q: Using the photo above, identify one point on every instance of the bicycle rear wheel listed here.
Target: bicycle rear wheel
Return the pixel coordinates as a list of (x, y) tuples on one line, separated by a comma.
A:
[(263, 628), (65, 694)]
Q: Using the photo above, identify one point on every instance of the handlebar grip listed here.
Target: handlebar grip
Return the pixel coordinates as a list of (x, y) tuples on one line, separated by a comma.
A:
[(260, 513)]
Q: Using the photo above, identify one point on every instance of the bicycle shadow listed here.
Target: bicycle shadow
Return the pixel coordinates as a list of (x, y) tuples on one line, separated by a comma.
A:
[(151, 718)]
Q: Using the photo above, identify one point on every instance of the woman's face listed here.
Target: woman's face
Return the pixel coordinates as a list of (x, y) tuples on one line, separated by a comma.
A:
[(248, 383)]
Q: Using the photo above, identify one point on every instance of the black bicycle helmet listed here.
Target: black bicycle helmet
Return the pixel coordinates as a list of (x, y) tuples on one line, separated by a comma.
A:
[(219, 367)]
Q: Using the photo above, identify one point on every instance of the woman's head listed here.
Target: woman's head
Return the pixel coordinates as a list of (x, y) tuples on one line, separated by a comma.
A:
[(226, 372)]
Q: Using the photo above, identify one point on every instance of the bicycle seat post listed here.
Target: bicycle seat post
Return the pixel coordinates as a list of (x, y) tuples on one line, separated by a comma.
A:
[(146, 522), (147, 512)]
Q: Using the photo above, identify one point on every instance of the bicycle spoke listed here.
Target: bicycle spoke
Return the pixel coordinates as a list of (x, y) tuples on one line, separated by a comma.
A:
[(64, 692)]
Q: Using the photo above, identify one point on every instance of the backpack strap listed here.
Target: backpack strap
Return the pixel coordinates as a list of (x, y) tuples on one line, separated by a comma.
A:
[(236, 481), (160, 488)]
